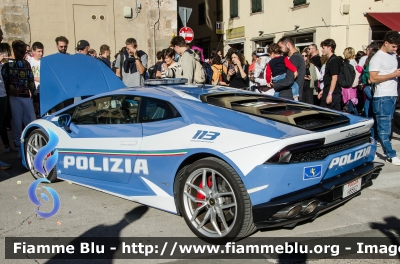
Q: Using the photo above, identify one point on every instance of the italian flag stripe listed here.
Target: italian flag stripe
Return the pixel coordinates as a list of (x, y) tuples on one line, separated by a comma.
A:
[(122, 153)]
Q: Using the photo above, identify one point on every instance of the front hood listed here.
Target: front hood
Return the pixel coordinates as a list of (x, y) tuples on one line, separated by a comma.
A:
[(64, 77)]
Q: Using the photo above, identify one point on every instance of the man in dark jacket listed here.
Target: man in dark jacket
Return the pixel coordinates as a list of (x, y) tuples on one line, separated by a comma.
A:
[(284, 86)]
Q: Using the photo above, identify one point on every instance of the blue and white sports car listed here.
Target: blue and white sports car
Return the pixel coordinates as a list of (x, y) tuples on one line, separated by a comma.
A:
[(229, 161)]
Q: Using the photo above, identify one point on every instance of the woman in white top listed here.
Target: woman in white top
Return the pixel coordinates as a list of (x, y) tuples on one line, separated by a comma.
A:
[(168, 69)]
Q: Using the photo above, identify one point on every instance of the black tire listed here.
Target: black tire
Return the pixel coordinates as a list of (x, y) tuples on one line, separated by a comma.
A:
[(236, 222), (30, 154)]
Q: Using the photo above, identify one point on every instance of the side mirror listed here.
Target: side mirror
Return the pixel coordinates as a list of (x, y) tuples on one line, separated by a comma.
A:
[(62, 120)]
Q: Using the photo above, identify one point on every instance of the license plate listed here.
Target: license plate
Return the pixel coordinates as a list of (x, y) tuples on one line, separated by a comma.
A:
[(351, 187)]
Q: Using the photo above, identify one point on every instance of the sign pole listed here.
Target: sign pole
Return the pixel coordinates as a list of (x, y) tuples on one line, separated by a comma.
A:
[(184, 17)]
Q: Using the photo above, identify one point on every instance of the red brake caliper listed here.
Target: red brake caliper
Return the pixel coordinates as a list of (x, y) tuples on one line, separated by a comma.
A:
[(199, 195)]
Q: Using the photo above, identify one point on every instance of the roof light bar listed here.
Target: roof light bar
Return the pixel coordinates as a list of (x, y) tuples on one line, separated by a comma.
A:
[(166, 81)]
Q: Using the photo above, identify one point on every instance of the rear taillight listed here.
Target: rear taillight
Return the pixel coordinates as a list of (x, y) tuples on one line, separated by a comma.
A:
[(283, 156)]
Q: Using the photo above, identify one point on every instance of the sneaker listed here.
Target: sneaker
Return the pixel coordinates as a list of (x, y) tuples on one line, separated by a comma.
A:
[(394, 161), (7, 149), (4, 166)]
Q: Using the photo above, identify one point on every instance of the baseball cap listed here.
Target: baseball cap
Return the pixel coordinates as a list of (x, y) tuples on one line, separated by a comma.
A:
[(82, 44)]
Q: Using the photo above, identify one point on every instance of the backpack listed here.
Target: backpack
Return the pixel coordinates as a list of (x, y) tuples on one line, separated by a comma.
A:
[(347, 75), (208, 71), (152, 71), (113, 68), (216, 82), (221, 76), (199, 73)]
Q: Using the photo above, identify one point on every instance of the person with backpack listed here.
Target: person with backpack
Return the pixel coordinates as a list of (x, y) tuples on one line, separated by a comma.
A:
[(131, 64), (331, 95), (186, 62), (368, 90), (206, 67), (20, 86), (155, 70), (351, 69), (219, 71), (238, 71)]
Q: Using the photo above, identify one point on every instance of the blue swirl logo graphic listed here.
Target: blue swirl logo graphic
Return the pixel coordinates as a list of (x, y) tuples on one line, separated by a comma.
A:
[(44, 155), (44, 162)]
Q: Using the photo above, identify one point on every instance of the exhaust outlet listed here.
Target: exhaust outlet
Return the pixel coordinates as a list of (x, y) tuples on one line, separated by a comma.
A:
[(309, 206)]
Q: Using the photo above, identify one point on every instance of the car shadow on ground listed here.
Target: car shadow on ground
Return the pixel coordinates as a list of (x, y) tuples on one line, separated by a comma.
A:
[(109, 232)]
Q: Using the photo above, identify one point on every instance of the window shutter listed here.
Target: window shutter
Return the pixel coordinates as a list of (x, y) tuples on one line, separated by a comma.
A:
[(299, 2), (234, 8), (256, 6)]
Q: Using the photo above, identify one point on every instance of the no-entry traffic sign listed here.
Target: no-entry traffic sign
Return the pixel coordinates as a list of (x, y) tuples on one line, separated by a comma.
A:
[(187, 33)]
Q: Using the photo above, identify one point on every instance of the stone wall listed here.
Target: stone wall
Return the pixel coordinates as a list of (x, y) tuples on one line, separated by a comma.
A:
[(165, 13), (14, 20), (44, 20)]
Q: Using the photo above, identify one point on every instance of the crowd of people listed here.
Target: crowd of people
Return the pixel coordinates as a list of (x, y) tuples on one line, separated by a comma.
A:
[(358, 83)]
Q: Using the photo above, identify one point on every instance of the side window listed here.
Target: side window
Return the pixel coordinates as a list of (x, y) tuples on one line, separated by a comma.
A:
[(119, 109), (156, 110)]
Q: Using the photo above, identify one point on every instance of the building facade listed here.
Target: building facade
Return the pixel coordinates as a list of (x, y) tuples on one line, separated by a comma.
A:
[(205, 14), (151, 22), (256, 23)]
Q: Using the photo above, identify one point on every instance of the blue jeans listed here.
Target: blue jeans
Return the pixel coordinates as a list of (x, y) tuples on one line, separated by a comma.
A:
[(383, 108), (367, 112), (351, 108), (295, 86)]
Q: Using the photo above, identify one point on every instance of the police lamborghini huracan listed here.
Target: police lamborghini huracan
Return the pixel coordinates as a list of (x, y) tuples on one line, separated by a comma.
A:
[(229, 161)]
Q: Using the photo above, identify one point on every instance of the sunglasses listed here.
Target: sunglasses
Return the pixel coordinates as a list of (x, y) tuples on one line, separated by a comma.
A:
[(63, 47), (305, 56)]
